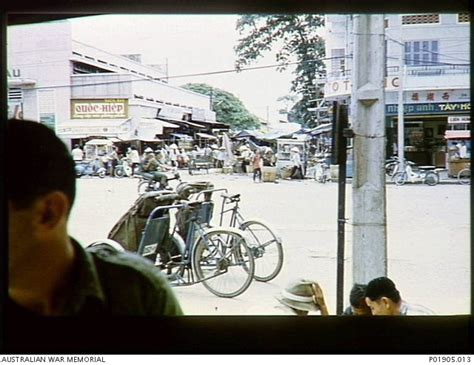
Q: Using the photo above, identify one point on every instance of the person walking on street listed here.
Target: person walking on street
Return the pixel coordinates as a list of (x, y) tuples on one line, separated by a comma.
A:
[(65, 279), (296, 171), (257, 164)]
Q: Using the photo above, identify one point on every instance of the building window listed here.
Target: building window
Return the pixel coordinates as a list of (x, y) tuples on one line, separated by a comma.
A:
[(418, 53), (385, 23), (463, 18), (420, 19), (338, 61)]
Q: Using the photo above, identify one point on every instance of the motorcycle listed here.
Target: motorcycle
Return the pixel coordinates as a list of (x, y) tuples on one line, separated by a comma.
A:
[(123, 168), (147, 183), (90, 168)]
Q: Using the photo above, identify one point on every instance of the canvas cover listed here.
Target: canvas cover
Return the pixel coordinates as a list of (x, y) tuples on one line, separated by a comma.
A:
[(129, 228)]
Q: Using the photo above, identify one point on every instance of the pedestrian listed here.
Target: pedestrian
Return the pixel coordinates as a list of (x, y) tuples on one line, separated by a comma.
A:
[(384, 299), (64, 279), (134, 158), (221, 157), (77, 153), (296, 171), (173, 155), (257, 164), (462, 150), (113, 160)]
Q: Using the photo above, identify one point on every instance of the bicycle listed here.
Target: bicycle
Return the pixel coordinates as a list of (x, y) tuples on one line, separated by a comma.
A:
[(425, 174), (265, 245), (219, 258), (464, 176)]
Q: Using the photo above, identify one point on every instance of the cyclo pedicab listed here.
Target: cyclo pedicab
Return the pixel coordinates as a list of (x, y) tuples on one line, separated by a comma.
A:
[(184, 246), (187, 249)]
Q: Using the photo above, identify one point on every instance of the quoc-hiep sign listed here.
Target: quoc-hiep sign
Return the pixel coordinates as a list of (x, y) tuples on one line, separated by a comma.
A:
[(99, 108)]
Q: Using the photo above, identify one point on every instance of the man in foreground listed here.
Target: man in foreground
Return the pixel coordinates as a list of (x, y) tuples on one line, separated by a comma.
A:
[(384, 299), (50, 274)]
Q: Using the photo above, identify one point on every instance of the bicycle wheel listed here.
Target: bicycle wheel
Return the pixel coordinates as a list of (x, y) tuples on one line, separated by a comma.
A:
[(464, 176), (431, 178), (223, 262), (400, 178), (390, 168), (144, 187), (266, 248)]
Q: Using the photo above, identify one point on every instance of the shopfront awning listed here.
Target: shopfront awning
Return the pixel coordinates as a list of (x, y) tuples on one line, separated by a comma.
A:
[(195, 125), (83, 128), (167, 124), (323, 128), (148, 129), (182, 136), (206, 136)]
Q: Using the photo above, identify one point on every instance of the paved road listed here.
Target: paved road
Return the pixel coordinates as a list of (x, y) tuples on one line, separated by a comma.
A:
[(428, 238)]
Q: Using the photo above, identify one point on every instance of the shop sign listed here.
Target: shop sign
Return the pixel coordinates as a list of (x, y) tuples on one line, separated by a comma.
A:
[(344, 87), (462, 119), (429, 108), (198, 115), (99, 109)]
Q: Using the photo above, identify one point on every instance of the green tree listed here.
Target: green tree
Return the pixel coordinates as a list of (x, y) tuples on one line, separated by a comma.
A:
[(297, 40), (229, 109)]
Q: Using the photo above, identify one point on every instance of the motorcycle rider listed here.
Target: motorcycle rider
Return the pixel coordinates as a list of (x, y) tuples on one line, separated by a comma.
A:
[(154, 170)]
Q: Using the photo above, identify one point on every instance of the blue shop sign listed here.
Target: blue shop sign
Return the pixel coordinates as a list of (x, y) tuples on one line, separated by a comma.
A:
[(429, 108)]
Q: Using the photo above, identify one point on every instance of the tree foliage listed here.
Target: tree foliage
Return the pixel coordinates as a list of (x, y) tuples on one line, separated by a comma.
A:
[(229, 109), (297, 40)]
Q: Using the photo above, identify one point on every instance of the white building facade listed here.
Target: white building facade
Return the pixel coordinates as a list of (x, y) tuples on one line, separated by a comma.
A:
[(436, 84), (83, 92)]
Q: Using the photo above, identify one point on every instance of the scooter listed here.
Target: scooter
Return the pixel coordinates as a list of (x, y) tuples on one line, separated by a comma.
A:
[(90, 168), (123, 168)]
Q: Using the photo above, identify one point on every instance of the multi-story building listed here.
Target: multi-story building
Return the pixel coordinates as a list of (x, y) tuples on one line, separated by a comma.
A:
[(436, 84), (83, 92)]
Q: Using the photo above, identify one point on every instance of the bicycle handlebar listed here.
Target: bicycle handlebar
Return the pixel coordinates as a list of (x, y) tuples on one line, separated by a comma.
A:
[(210, 191)]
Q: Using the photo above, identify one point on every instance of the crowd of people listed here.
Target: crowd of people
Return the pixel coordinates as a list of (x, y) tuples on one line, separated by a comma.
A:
[(171, 156)]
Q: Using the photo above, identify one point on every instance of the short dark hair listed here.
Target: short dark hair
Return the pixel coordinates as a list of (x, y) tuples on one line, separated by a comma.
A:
[(38, 163), (382, 287), (357, 295)]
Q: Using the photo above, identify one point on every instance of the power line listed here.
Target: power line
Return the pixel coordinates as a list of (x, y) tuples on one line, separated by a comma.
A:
[(180, 76)]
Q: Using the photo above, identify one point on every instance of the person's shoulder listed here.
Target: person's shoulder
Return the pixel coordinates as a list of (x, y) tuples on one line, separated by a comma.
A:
[(128, 265)]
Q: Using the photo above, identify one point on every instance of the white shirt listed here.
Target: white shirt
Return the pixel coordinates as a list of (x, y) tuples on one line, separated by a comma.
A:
[(295, 159), (462, 151), (77, 154), (134, 157)]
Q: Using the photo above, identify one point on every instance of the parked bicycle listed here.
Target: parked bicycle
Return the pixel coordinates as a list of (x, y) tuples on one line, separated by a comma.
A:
[(424, 174), (265, 245), (219, 258), (464, 176)]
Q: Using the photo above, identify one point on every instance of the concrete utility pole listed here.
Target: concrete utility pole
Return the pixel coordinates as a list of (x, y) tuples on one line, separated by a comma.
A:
[(400, 124), (368, 184)]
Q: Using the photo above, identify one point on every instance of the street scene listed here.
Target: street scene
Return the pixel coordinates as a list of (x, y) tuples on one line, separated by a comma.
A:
[(339, 146), (428, 238)]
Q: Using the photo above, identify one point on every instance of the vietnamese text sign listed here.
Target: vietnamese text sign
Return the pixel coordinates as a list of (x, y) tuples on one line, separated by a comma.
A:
[(429, 108), (99, 109)]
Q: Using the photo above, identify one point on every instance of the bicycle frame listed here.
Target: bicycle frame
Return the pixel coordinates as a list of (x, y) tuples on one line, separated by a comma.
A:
[(194, 232)]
